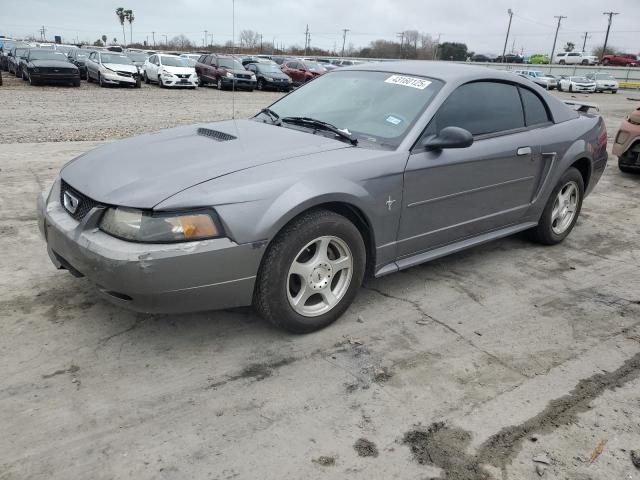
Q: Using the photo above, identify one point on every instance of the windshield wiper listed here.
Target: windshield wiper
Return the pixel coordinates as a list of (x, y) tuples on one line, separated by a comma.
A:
[(275, 118), (319, 124)]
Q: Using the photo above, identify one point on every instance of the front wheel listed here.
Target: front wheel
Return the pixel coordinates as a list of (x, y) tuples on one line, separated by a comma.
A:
[(614, 91), (76, 83), (219, 84), (146, 79), (260, 85), (311, 272), (562, 209)]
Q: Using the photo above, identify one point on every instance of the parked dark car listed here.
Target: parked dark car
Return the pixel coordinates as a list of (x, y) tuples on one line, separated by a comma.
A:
[(621, 60), (269, 76), (510, 58), (13, 60), (79, 58), (483, 58), (49, 66), (7, 45), (302, 71), (224, 71)]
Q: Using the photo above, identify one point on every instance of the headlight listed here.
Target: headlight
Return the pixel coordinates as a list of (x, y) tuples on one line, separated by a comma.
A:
[(268, 79), (138, 226), (229, 75), (167, 74)]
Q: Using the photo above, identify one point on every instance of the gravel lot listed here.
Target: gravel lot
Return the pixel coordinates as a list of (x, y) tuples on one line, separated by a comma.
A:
[(466, 368)]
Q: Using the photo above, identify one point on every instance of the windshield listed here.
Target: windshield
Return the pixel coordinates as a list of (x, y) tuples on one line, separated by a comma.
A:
[(376, 106), (580, 79), (230, 63), (536, 73), (64, 49), (267, 68), (173, 61), (46, 55), (115, 58), (137, 57)]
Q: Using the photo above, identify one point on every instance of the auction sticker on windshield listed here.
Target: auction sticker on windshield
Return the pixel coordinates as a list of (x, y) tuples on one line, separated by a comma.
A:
[(412, 82)]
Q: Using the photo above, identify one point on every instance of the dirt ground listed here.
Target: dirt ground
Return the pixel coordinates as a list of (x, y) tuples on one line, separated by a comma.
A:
[(507, 361)]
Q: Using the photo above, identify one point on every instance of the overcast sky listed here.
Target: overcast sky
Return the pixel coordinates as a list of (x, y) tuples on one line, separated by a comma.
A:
[(481, 24)]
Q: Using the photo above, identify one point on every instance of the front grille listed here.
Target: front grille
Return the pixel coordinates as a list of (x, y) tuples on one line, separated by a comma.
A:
[(57, 70), (182, 75), (125, 74), (85, 204), (241, 75)]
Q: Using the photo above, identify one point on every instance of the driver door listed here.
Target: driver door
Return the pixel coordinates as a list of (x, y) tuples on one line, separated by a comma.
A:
[(453, 194)]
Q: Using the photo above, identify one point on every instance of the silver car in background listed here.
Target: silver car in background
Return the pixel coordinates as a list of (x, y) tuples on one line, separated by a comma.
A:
[(112, 68), (576, 84), (364, 171), (539, 78), (604, 82)]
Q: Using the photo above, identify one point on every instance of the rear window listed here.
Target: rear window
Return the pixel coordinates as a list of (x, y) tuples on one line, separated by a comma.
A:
[(482, 108), (535, 112)]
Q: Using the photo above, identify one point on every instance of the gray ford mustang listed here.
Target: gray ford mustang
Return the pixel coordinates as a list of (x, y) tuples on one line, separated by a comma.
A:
[(364, 171)]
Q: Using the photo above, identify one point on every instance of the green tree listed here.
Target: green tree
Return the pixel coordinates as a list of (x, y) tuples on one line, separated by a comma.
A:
[(453, 51), (121, 17), (128, 14)]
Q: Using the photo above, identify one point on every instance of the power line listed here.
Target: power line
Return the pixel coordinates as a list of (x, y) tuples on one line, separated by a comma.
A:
[(555, 39), (504, 50), (606, 38)]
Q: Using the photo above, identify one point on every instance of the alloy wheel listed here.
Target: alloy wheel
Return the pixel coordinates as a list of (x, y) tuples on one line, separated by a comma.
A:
[(319, 276), (564, 208)]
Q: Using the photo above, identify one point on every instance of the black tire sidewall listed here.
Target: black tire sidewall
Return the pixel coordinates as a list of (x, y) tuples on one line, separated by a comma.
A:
[(544, 230), (284, 250)]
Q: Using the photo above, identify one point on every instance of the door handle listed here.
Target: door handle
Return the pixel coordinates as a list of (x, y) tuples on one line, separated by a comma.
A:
[(524, 151)]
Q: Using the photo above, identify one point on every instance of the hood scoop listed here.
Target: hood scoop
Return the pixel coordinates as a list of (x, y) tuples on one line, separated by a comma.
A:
[(215, 135)]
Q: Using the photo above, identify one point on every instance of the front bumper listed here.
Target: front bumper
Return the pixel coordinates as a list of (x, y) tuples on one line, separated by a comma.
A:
[(240, 83), (628, 134), (54, 77), (278, 85), (179, 82), (603, 87), (114, 79), (156, 278), (578, 88)]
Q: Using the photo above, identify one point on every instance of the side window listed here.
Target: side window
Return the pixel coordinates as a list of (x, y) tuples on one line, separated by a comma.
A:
[(251, 67), (535, 113), (574, 54), (481, 108)]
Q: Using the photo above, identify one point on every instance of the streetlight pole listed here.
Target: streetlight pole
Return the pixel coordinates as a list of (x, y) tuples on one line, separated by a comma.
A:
[(504, 50), (344, 38)]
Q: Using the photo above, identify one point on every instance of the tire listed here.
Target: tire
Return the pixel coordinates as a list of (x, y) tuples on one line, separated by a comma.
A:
[(32, 81), (570, 88), (138, 83), (76, 83), (219, 84), (585, 62), (550, 230), (260, 84), (562, 62), (614, 91), (89, 79), (275, 289), (100, 82), (160, 83)]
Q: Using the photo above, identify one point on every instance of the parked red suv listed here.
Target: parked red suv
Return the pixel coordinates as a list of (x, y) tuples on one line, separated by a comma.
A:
[(223, 71), (622, 60), (301, 71)]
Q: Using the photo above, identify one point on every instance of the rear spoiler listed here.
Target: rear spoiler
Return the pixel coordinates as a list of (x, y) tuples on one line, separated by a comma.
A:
[(582, 107)]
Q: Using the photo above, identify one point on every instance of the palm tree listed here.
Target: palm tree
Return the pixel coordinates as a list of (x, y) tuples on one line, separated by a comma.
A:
[(121, 16), (128, 14)]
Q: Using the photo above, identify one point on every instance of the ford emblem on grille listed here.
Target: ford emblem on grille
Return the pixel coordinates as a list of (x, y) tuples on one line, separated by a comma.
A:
[(70, 202)]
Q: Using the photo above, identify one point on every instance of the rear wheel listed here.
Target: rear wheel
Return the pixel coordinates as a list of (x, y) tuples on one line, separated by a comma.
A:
[(562, 209), (562, 62), (311, 272)]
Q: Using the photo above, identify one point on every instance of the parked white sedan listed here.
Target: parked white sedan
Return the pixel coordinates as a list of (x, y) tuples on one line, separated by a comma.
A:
[(169, 71), (577, 84)]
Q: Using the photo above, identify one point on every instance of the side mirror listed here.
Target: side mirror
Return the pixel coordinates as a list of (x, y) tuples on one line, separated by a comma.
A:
[(449, 137)]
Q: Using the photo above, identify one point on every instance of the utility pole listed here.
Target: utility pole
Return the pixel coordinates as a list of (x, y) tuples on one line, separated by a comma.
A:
[(435, 50), (43, 32), (260, 43), (584, 43), (306, 40), (555, 39), (153, 35), (165, 39), (504, 50), (344, 38), (206, 38), (606, 38), (401, 35)]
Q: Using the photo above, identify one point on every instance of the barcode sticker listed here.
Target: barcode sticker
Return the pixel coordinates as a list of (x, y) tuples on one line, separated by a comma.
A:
[(412, 82)]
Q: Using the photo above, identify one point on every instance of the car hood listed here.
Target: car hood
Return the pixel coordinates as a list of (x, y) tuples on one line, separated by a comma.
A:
[(121, 67), (53, 64), (178, 70), (142, 171)]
